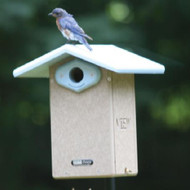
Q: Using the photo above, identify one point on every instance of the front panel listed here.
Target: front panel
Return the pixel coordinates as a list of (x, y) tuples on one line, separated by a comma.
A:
[(82, 130)]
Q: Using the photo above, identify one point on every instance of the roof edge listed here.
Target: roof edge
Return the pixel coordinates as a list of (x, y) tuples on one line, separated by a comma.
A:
[(107, 56)]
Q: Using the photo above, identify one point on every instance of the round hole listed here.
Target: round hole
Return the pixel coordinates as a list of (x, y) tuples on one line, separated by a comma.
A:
[(76, 74)]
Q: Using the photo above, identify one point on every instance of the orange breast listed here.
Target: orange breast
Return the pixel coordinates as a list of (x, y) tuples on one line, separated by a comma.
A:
[(58, 25), (67, 32)]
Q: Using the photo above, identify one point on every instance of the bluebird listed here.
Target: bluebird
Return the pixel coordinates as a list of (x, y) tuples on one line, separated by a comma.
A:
[(69, 27)]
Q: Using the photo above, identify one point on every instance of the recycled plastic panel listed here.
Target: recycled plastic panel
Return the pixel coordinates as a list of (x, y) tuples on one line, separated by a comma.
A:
[(109, 57)]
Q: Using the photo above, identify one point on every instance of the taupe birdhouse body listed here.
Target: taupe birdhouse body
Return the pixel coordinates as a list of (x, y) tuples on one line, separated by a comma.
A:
[(93, 118)]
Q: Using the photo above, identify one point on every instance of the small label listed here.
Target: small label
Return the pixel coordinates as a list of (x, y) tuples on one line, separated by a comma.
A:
[(85, 162), (122, 122)]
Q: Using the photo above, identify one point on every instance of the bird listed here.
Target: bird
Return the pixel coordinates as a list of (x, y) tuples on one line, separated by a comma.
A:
[(69, 27)]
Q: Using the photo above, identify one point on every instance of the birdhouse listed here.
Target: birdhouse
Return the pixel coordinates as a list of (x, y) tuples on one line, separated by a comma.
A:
[(93, 118)]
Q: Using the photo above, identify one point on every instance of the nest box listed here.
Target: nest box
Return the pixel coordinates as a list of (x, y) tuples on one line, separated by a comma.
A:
[(93, 119)]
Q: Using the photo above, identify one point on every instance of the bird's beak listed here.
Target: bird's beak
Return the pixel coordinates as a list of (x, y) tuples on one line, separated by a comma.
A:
[(50, 14)]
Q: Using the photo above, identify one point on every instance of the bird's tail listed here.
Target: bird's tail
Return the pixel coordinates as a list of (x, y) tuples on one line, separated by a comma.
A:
[(84, 41), (88, 37)]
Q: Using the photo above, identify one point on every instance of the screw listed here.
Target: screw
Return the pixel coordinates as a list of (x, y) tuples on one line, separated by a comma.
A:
[(127, 171), (109, 79)]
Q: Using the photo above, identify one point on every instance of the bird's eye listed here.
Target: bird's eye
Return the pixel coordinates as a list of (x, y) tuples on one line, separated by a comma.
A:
[(55, 13)]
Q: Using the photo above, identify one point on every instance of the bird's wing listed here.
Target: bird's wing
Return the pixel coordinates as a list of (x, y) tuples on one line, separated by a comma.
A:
[(70, 24)]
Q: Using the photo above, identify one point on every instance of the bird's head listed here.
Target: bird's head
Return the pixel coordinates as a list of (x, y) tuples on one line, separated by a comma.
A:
[(58, 12)]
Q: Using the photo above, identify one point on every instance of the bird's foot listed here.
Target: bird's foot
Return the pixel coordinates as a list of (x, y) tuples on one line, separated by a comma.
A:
[(71, 42), (74, 42), (68, 42)]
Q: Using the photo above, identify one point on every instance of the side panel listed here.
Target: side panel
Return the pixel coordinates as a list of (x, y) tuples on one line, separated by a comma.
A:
[(81, 129), (124, 119)]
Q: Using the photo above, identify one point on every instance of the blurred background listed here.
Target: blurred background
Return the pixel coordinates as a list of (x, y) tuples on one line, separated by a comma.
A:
[(156, 29)]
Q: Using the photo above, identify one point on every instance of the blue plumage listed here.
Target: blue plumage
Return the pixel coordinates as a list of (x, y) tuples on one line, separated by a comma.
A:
[(69, 27)]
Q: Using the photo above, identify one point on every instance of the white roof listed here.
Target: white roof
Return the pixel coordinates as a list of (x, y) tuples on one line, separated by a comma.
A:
[(106, 56)]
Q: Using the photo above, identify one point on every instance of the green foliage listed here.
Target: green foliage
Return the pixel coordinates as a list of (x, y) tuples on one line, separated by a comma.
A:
[(173, 110), (157, 29)]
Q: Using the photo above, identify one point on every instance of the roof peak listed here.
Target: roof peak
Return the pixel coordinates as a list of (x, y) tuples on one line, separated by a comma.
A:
[(107, 56)]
